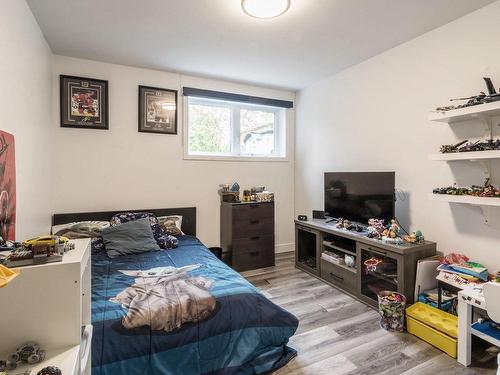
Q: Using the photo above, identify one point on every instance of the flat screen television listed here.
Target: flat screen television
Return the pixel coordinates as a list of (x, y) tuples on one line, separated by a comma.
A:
[(359, 196)]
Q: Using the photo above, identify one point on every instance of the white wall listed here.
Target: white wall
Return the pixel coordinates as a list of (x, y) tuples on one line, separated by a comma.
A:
[(124, 169), (373, 116), (25, 107)]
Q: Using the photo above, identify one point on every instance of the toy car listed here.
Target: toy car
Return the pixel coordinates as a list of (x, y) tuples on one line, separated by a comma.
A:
[(29, 353), (52, 241)]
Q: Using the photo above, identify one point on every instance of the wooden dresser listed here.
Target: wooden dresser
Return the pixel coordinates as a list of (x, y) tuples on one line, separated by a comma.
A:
[(247, 234)]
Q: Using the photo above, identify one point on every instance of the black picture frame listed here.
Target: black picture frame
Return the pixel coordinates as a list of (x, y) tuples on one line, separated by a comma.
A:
[(76, 94), (154, 99)]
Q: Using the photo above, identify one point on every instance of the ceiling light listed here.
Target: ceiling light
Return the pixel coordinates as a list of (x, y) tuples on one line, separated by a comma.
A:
[(265, 8)]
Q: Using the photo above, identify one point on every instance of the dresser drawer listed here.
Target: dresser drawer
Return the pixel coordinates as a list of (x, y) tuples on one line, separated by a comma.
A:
[(253, 211), (340, 276), (253, 227), (264, 244), (249, 260)]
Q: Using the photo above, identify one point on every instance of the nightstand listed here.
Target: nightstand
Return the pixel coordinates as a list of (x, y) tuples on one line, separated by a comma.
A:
[(50, 304), (247, 234)]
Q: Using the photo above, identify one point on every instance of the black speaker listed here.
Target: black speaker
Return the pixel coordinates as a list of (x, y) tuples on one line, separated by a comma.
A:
[(318, 214)]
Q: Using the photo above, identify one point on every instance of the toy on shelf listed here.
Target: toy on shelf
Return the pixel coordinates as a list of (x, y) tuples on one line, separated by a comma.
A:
[(58, 244), (29, 353), (466, 146), (392, 234), (45, 249), (447, 149), (375, 228), (264, 196), (485, 191), (414, 237), (50, 370), (230, 192), (481, 98), (342, 223)]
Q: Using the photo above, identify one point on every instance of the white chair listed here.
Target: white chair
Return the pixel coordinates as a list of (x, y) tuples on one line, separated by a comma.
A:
[(491, 293)]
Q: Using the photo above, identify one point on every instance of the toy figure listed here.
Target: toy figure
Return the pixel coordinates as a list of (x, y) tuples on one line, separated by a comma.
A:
[(375, 228), (487, 190), (481, 98), (50, 370), (29, 353), (415, 237), (392, 234), (392, 231), (343, 224)]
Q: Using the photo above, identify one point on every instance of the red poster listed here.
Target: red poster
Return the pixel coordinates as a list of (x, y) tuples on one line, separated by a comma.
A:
[(7, 187)]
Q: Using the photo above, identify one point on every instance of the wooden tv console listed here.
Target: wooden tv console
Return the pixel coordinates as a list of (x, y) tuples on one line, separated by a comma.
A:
[(395, 271)]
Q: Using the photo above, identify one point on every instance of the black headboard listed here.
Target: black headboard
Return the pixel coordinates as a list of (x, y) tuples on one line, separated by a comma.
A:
[(188, 216)]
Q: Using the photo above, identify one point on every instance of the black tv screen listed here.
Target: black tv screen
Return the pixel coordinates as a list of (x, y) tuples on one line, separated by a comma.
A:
[(359, 196)]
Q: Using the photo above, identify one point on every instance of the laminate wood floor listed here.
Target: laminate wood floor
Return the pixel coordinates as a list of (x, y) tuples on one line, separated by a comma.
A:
[(339, 335)]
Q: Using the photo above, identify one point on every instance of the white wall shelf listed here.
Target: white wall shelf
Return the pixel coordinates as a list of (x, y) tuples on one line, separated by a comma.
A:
[(472, 156), (480, 111), (466, 199), (489, 206)]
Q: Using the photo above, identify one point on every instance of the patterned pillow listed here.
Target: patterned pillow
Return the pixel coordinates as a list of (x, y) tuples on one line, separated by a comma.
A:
[(172, 224), (158, 231), (168, 242)]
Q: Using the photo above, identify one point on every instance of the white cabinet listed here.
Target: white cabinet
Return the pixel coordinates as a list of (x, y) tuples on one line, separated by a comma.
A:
[(49, 304)]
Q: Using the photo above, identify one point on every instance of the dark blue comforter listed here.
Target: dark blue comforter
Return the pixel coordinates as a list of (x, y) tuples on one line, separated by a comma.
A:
[(244, 332)]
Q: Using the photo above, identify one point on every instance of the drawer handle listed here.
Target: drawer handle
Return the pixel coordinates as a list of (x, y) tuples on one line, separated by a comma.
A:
[(254, 221), (254, 206), (254, 253), (340, 278), (255, 238)]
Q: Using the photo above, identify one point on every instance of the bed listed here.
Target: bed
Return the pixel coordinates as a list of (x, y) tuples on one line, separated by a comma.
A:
[(181, 311)]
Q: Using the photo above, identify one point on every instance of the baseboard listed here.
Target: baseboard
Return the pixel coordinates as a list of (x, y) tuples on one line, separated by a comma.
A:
[(284, 248)]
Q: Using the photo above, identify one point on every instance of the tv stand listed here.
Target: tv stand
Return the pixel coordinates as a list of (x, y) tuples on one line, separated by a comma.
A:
[(319, 246)]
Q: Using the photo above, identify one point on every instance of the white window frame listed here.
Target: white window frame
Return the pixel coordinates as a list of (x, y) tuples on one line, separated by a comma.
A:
[(280, 133)]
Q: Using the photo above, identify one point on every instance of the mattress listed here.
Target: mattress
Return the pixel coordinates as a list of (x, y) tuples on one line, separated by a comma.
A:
[(183, 311)]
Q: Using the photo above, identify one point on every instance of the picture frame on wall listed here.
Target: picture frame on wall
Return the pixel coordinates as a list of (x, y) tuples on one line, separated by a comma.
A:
[(157, 110), (84, 103)]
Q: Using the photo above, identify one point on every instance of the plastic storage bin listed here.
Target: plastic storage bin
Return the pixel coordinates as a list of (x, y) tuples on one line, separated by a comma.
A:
[(435, 326)]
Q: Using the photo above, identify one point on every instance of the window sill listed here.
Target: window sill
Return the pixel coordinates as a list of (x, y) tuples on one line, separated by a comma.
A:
[(237, 158)]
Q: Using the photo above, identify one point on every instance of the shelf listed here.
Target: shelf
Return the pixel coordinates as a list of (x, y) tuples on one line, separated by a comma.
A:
[(466, 199), (66, 359), (468, 113), (328, 244), (471, 155), (350, 269)]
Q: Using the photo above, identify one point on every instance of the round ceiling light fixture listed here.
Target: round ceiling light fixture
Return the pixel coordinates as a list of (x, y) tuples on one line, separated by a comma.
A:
[(265, 8)]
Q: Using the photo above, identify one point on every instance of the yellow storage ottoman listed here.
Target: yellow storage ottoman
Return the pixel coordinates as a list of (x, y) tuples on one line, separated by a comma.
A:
[(435, 326)]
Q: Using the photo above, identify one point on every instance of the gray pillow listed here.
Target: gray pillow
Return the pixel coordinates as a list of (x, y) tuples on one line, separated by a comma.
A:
[(134, 237)]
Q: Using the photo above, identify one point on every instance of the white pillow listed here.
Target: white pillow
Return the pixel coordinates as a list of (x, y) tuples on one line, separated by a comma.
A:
[(80, 229)]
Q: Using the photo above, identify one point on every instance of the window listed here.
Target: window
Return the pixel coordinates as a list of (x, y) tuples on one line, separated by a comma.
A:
[(220, 129)]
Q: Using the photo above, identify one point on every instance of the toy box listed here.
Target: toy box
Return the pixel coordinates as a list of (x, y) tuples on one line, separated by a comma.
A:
[(437, 327)]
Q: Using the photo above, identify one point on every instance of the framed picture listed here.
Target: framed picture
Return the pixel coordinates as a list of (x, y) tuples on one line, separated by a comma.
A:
[(84, 103), (7, 187), (157, 110)]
